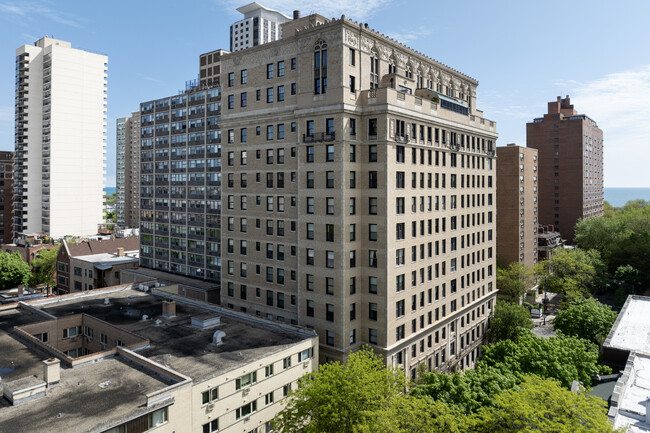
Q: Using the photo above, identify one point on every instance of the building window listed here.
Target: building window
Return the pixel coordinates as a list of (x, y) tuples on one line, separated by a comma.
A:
[(246, 380), (211, 427), (269, 71), (246, 409), (372, 232), (269, 95), (329, 338), (281, 68), (320, 67), (210, 395), (244, 76), (157, 418)]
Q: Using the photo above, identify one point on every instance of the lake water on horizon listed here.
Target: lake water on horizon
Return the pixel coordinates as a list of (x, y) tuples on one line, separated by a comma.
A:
[(619, 196)]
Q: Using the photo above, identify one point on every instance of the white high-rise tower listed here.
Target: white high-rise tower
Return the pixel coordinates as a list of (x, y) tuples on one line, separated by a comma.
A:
[(60, 138)]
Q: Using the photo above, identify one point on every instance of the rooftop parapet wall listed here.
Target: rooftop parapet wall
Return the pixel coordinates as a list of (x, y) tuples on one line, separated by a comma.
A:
[(359, 35)]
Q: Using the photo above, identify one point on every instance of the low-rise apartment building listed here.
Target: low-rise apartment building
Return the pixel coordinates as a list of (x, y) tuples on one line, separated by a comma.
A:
[(118, 359), (95, 264)]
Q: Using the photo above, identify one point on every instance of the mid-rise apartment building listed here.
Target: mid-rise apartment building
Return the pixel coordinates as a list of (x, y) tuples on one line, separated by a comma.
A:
[(359, 194), (180, 183), (7, 197), (121, 360), (571, 179), (517, 181), (120, 148), (60, 139), (127, 201), (260, 25)]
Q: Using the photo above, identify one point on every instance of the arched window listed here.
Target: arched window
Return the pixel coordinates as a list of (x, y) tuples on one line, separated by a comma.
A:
[(374, 69), (320, 67)]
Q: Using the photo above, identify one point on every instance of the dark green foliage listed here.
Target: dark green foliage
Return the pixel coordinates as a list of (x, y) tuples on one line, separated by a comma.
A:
[(13, 271), (585, 318), (562, 358), (466, 392), (542, 405), (507, 319)]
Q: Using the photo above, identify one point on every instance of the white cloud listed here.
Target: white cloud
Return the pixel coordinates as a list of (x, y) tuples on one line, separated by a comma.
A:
[(355, 9), (31, 9), (620, 104), (411, 34), (148, 78)]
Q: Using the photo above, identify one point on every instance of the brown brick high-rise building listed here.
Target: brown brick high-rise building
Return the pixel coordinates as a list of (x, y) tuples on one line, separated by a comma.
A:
[(517, 207), (7, 197), (570, 149)]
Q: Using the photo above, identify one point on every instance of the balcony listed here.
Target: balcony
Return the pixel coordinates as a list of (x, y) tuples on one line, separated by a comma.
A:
[(318, 137)]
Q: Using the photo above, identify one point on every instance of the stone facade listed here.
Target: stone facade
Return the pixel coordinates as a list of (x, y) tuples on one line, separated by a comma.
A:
[(359, 194)]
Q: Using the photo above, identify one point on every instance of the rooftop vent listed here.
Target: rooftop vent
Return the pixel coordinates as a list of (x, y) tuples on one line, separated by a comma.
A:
[(206, 322), (217, 338)]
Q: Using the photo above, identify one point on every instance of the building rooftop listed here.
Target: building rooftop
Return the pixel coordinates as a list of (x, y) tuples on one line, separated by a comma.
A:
[(177, 344), (112, 384), (629, 406), (106, 260), (631, 331), (111, 389), (131, 243)]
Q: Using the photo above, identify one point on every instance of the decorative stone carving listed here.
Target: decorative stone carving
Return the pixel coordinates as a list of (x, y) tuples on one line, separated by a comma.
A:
[(456, 83), (351, 39), (366, 44), (237, 60), (401, 59), (384, 52)]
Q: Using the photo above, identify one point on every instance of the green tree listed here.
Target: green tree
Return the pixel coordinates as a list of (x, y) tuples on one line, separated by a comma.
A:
[(341, 397), (44, 267), (622, 237), (571, 272), (508, 318), (542, 405), (585, 318), (562, 358), (513, 280), (465, 392), (13, 271), (407, 414)]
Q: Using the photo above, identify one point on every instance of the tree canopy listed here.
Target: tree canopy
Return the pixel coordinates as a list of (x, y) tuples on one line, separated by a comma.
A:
[(341, 397), (571, 272), (506, 321), (465, 392), (562, 358), (542, 405), (44, 267), (622, 237), (585, 318), (513, 280), (13, 271)]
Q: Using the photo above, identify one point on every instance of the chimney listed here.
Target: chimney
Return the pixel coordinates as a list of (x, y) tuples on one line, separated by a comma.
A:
[(296, 14), (169, 309), (51, 371), (120, 252)]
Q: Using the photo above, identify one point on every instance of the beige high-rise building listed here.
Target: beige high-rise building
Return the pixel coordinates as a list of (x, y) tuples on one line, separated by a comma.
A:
[(517, 205), (127, 205), (358, 194)]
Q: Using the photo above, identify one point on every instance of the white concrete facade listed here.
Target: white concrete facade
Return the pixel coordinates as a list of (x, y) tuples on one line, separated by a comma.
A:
[(60, 138), (259, 26)]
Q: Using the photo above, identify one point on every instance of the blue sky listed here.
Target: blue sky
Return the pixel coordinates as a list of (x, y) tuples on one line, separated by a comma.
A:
[(523, 54)]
